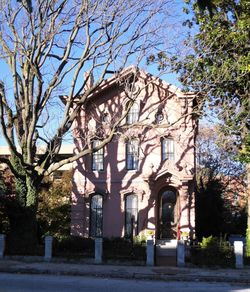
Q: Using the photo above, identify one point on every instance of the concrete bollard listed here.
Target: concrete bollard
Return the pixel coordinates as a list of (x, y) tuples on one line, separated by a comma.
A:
[(2, 245), (238, 251), (150, 252), (181, 253), (98, 250), (48, 248)]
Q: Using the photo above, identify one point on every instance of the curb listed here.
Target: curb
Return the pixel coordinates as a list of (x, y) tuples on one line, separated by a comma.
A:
[(135, 276)]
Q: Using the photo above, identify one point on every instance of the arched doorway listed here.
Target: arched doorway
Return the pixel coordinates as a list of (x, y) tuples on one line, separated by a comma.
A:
[(168, 213)]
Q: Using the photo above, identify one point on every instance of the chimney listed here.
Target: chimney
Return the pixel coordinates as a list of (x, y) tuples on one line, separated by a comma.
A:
[(88, 76)]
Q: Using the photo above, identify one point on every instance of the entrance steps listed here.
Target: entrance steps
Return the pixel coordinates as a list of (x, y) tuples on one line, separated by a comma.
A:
[(166, 252)]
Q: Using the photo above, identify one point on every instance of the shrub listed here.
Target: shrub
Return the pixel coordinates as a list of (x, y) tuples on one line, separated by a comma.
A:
[(140, 240), (123, 248), (73, 246), (115, 248), (54, 207), (213, 251), (248, 243)]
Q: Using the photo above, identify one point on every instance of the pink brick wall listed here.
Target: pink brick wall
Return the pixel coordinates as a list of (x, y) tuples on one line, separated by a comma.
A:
[(153, 174)]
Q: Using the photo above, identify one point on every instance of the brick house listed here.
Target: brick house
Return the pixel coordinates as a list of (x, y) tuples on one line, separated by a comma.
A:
[(142, 182)]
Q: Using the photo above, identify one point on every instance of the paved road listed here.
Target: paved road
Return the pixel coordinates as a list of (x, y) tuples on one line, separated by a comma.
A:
[(37, 283)]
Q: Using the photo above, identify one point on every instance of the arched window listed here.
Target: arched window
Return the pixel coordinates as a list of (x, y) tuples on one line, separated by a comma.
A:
[(97, 157), (132, 154), (133, 114), (96, 215), (167, 149), (131, 215)]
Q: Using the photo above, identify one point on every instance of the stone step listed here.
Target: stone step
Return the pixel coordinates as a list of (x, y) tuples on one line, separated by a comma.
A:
[(166, 248), (167, 242), (166, 261), (166, 251)]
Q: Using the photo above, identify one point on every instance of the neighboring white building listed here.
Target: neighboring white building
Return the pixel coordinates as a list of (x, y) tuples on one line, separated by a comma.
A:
[(65, 151)]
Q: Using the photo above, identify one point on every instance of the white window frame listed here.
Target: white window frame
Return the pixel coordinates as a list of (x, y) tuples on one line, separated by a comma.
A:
[(133, 114), (132, 154), (168, 149), (97, 163)]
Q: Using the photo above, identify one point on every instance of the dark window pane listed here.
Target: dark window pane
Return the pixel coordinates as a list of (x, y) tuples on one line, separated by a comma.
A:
[(167, 212), (96, 216), (132, 153), (131, 215), (168, 197)]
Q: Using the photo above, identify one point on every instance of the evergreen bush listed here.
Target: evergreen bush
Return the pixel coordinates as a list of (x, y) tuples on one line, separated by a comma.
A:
[(213, 251)]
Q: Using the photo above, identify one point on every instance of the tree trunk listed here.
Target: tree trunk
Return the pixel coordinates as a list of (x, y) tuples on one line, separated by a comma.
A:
[(248, 209)]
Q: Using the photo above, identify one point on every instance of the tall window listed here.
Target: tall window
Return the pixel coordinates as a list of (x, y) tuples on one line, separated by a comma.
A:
[(131, 215), (96, 214), (133, 114), (132, 154), (167, 145), (168, 216), (97, 157)]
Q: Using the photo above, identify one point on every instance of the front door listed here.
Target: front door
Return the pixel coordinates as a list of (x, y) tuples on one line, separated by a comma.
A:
[(167, 214)]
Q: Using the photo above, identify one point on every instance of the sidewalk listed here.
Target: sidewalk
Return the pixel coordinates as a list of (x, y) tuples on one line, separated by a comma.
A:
[(36, 266)]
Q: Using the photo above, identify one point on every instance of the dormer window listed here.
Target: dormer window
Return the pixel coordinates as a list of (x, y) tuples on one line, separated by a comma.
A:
[(133, 114), (167, 149)]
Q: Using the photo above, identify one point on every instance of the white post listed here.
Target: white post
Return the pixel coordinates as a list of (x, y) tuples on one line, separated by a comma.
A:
[(98, 250), (181, 253), (2, 245), (48, 248), (238, 251), (150, 252)]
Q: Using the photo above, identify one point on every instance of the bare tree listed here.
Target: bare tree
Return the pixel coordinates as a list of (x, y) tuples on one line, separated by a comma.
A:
[(47, 46)]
